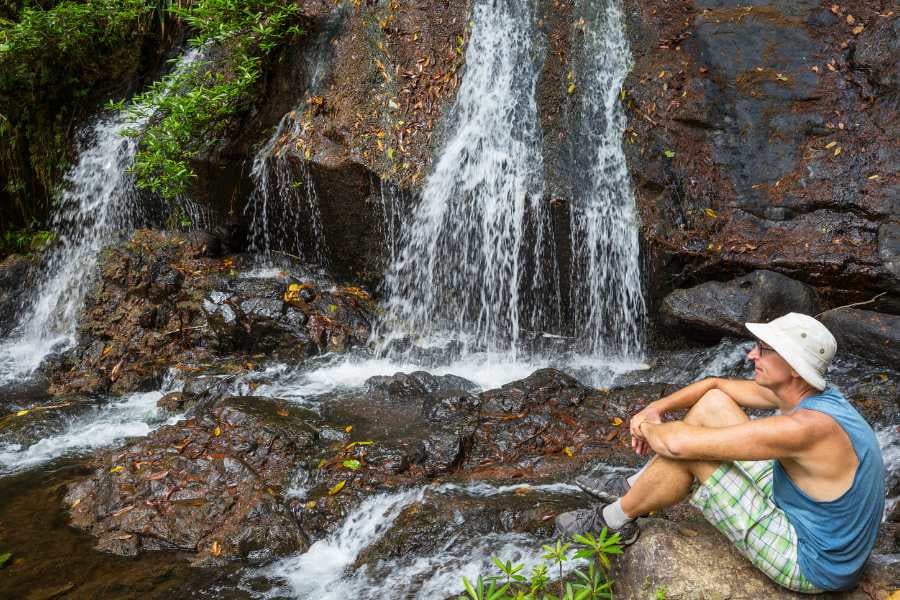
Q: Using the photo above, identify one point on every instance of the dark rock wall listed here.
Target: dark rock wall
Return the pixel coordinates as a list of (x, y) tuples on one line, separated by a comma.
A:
[(763, 135)]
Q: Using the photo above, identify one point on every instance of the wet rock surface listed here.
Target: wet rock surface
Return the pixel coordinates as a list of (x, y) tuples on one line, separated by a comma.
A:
[(16, 273), (723, 308), (690, 559), (867, 333), (758, 140), (161, 300), (211, 485)]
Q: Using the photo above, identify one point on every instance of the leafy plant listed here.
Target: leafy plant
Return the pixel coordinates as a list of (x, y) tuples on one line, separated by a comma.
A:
[(592, 583), (190, 109)]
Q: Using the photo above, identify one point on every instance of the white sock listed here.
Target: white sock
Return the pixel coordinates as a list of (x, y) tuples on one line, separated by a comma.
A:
[(614, 516), (634, 477)]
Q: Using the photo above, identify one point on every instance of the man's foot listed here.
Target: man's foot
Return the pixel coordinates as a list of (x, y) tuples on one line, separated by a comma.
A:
[(591, 520), (609, 487)]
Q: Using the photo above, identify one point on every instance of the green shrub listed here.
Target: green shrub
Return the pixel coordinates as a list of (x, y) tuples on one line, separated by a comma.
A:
[(592, 583), (190, 110)]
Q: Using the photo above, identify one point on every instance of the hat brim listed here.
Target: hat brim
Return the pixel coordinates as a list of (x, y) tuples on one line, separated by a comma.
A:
[(789, 351)]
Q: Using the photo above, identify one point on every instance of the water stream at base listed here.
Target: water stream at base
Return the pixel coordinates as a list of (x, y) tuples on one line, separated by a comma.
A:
[(97, 204)]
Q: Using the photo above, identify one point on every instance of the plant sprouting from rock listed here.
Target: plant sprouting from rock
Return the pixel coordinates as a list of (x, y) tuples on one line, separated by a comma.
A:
[(591, 583)]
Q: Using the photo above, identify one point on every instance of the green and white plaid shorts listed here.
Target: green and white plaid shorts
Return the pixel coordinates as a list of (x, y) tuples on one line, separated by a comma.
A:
[(737, 499)]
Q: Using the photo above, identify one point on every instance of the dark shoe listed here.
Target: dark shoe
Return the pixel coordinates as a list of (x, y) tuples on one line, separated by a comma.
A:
[(590, 520), (609, 487)]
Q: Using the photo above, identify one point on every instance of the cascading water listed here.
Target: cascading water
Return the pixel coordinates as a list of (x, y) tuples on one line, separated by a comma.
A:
[(460, 269), (284, 203), (96, 205), (607, 301)]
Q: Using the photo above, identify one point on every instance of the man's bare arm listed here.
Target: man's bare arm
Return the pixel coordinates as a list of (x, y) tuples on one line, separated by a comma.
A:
[(761, 439)]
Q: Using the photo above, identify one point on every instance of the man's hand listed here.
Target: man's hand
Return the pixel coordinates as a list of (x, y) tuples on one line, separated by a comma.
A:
[(650, 414)]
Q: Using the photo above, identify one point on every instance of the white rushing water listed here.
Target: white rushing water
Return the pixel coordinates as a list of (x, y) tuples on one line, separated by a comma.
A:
[(460, 267), (607, 299), (131, 416), (97, 204), (326, 572)]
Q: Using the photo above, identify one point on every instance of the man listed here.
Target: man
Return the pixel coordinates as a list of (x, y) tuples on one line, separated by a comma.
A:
[(800, 494)]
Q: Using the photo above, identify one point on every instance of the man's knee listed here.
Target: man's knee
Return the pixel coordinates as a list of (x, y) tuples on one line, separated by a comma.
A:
[(715, 408)]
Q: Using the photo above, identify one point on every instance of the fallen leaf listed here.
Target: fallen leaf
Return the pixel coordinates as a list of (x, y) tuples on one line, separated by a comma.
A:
[(217, 431), (321, 463), (216, 549), (616, 421), (710, 213), (337, 488), (22, 413), (571, 89), (310, 505), (831, 144), (116, 469), (873, 177), (122, 511), (568, 452), (157, 476), (836, 9), (365, 443), (351, 464), (837, 150), (348, 428), (281, 412), (858, 29), (851, 20), (669, 153), (522, 490), (4, 558)]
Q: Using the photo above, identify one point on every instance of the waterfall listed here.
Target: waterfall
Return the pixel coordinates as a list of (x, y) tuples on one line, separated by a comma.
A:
[(284, 202), (460, 270), (98, 203), (607, 301)]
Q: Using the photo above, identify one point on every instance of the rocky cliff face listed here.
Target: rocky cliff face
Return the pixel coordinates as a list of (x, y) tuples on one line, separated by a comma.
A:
[(763, 135)]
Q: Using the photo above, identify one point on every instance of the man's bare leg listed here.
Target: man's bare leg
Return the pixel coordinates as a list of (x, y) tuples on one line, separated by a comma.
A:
[(667, 481)]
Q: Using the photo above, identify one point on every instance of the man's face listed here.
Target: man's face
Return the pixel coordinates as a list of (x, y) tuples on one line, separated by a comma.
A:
[(770, 369)]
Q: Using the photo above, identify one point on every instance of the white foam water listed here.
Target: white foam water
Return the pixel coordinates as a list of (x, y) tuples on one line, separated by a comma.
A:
[(131, 416), (97, 204), (460, 265), (325, 571), (607, 298)]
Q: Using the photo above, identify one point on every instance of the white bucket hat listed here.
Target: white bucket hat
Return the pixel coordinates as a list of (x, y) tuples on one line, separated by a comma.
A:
[(802, 341)]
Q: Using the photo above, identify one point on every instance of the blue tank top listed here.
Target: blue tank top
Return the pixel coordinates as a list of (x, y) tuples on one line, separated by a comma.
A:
[(835, 538)]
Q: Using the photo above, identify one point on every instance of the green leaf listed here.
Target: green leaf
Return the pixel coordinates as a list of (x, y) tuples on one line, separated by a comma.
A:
[(4, 558), (669, 153), (351, 464)]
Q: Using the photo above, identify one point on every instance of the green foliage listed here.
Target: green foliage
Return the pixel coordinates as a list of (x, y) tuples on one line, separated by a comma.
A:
[(24, 241), (4, 558), (189, 110), (660, 593), (592, 583)]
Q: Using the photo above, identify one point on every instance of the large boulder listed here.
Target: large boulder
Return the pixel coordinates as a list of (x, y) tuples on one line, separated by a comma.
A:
[(163, 299), (213, 485), (690, 560), (866, 333), (757, 140), (723, 308)]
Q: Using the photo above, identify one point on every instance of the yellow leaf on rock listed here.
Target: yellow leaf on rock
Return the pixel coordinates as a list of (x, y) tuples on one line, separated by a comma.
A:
[(858, 29), (571, 89), (22, 413), (216, 549), (321, 463), (337, 488), (310, 505), (616, 421), (217, 431), (873, 177), (568, 452), (116, 469), (710, 213), (348, 428), (837, 150), (831, 144)]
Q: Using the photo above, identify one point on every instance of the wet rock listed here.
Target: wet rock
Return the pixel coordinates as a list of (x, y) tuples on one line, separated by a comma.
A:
[(867, 333), (29, 422), (742, 152), (427, 420), (691, 560), (549, 424), (211, 485), (161, 301), (723, 308), (16, 273)]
